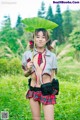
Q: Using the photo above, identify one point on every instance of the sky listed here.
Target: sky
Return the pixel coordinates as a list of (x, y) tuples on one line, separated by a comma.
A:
[(29, 8)]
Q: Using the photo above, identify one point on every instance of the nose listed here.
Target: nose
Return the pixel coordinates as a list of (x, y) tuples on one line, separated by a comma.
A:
[(40, 39)]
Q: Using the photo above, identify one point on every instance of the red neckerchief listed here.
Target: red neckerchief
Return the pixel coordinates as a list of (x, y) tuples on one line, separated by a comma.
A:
[(40, 58)]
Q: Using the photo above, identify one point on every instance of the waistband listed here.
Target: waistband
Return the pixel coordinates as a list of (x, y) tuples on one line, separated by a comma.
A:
[(34, 88)]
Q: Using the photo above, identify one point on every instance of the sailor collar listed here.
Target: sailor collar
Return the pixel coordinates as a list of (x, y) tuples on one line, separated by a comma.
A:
[(48, 53)]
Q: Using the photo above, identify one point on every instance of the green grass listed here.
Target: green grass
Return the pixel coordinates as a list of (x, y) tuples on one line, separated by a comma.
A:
[(12, 98), (68, 102), (13, 91), (69, 71)]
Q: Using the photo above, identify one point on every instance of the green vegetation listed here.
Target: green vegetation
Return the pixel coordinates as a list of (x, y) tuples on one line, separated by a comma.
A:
[(13, 87), (13, 90), (75, 38), (13, 41), (12, 66), (13, 84)]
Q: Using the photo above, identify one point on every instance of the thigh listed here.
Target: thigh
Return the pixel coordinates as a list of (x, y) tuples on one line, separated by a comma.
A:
[(48, 112), (35, 109)]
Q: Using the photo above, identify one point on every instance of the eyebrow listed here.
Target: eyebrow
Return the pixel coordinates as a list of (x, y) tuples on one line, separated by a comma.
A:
[(39, 35)]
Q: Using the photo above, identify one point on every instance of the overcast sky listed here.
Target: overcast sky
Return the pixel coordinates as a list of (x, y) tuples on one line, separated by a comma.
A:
[(29, 8)]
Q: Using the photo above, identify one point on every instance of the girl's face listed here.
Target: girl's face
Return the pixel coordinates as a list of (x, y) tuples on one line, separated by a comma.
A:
[(40, 40)]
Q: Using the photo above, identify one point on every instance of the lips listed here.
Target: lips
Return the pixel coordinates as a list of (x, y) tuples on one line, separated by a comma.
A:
[(40, 43)]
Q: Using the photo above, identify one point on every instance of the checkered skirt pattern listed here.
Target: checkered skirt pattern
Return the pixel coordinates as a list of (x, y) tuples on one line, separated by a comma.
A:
[(37, 96)]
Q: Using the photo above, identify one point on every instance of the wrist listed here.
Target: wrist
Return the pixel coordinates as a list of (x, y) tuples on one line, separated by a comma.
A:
[(27, 72)]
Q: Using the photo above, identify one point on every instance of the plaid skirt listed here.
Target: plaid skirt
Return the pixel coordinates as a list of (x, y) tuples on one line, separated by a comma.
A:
[(37, 96)]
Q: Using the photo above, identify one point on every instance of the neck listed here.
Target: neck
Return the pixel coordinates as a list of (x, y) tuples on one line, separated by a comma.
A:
[(40, 49)]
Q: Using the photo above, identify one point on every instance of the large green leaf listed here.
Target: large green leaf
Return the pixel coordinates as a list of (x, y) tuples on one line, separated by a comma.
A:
[(34, 23)]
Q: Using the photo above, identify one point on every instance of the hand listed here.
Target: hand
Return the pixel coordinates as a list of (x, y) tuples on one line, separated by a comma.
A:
[(29, 65)]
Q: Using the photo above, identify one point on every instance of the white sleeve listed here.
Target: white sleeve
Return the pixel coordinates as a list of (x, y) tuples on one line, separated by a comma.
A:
[(54, 62), (24, 61)]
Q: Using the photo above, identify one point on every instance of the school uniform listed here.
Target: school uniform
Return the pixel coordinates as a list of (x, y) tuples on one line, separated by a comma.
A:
[(44, 63)]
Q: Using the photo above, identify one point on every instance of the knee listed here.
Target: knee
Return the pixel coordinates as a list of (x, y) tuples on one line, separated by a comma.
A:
[(48, 118), (36, 118)]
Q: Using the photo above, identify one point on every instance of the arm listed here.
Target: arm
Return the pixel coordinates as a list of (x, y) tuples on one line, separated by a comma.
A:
[(26, 64), (53, 73), (54, 67), (27, 73), (28, 69)]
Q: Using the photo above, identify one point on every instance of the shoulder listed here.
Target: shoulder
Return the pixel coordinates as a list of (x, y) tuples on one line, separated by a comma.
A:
[(51, 53), (26, 53)]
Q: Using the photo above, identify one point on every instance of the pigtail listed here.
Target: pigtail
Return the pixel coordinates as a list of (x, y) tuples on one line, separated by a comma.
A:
[(51, 44)]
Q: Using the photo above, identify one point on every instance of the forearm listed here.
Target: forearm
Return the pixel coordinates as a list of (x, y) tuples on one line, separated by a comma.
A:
[(28, 69), (53, 74), (27, 73)]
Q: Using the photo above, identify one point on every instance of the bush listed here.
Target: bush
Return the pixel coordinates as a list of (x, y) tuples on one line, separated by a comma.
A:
[(15, 66), (3, 66), (12, 66), (75, 38)]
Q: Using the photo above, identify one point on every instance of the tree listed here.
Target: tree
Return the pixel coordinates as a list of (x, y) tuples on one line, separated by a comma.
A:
[(75, 40), (8, 38), (41, 12), (10, 42), (75, 16), (50, 15), (19, 26), (58, 32), (6, 24), (67, 23), (18, 20)]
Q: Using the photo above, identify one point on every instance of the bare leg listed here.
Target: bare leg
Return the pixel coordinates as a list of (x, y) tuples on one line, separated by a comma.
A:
[(48, 112), (35, 108)]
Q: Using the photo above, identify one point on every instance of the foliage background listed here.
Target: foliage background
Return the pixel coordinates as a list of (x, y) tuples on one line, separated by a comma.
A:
[(13, 84)]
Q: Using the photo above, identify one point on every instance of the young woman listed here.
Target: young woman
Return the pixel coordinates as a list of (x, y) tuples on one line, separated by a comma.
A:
[(40, 64)]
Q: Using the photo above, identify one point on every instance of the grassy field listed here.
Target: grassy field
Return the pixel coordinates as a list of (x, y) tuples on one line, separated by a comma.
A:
[(13, 90)]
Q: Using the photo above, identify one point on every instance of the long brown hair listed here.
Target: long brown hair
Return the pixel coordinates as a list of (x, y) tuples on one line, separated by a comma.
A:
[(45, 33)]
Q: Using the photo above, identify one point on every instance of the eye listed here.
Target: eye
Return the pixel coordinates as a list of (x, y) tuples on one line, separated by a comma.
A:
[(43, 37), (37, 37)]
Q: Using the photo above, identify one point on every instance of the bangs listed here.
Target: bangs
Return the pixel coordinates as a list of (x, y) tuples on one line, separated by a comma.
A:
[(44, 31)]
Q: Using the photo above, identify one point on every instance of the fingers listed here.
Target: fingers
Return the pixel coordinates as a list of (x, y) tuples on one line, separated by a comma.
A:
[(29, 64)]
